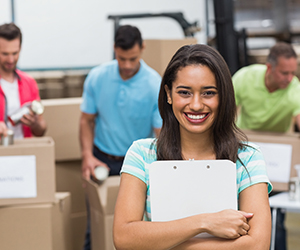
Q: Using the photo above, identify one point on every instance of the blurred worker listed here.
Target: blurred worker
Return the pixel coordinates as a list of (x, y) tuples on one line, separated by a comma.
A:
[(120, 105), (268, 96), (16, 87)]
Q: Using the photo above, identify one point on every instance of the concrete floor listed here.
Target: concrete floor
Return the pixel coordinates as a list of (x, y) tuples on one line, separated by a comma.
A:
[(292, 224)]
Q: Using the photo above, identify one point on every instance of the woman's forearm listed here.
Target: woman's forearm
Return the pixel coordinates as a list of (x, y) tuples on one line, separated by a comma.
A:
[(227, 224), (155, 235)]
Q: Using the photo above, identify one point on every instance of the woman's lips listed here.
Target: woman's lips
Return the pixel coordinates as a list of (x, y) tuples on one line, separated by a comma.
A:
[(196, 118)]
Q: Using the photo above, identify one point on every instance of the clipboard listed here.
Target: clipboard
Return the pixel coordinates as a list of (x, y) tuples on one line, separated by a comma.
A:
[(179, 189)]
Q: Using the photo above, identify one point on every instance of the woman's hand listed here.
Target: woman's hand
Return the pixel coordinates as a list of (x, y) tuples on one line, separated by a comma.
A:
[(228, 224)]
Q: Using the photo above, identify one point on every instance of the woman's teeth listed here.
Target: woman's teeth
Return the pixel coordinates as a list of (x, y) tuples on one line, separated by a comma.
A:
[(196, 117)]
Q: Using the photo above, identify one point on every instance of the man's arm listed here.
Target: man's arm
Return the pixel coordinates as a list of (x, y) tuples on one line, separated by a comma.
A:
[(157, 132), (3, 129), (36, 123), (237, 81), (298, 121), (89, 162)]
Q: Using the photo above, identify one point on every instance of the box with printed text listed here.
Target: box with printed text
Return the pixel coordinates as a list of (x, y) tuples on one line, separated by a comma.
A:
[(27, 172)]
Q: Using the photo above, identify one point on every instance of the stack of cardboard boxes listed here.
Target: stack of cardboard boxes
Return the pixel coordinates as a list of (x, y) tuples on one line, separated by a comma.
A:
[(62, 117), (32, 214), (60, 83)]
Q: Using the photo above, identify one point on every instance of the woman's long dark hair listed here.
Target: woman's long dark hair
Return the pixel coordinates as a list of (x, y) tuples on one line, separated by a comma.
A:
[(227, 137)]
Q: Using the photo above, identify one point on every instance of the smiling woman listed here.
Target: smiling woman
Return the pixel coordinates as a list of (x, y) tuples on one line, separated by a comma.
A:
[(197, 105), (194, 99), (203, 67)]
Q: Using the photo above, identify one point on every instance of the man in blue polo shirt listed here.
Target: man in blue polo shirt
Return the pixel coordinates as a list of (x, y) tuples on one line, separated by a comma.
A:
[(119, 105)]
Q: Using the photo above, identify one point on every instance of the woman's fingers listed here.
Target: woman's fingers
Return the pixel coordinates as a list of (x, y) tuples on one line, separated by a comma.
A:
[(243, 232), (230, 224), (244, 229), (246, 215)]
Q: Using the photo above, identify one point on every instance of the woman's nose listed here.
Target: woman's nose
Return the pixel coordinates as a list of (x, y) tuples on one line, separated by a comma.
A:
[(196, 103)]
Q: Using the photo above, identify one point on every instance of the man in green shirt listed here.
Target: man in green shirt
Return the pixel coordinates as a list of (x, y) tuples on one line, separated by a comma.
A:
[(269, 95)]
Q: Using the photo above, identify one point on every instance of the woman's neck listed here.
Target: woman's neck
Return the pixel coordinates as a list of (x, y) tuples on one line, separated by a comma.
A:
[(197, 147)]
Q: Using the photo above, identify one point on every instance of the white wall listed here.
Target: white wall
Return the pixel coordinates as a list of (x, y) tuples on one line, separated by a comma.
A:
[(77, 33), (5, 11)]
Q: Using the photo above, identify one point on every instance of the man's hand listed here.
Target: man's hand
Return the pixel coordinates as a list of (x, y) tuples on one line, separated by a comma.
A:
[(36, 123), (30, 120), (3, 129), (89, 163)]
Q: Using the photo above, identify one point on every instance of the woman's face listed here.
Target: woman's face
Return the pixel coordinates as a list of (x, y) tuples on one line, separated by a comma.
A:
[(194, 99)]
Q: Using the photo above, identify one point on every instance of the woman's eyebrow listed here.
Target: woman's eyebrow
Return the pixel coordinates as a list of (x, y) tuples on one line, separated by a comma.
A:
[(183, 87), (209, 87), (186, 87)]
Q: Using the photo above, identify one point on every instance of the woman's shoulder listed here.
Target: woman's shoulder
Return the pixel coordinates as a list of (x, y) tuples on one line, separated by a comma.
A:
[(249, 150), (144, 148), (250, 146), (146, 143), (140, 154)]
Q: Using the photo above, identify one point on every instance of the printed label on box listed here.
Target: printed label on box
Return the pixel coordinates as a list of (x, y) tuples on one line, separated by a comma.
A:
[(278, 159), (18, 176)]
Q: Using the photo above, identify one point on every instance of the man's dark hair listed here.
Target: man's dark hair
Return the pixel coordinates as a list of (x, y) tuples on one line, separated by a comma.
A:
[(127, 36), (281, 49), (10, 31)]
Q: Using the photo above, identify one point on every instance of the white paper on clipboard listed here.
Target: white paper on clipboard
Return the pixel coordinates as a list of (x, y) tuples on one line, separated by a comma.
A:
[(18, 176), (278, 158), (179, 189)]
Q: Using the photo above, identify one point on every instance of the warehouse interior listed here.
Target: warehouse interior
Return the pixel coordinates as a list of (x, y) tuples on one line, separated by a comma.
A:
[(242, 31)]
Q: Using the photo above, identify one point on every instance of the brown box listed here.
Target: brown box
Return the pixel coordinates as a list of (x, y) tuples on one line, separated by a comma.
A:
[(102, 200), (61, 222), (43, 149), (292, 139), (68, 179), (158, 53), (37, 226), (78, 222), (62, 118)]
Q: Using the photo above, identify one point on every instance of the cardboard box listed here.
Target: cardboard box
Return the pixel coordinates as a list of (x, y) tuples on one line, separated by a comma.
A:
[(78, 222), (43, 150), (102, 200), (68, 179), (61, 222), (62, 118), (292, 139), (37, 226), (158, 53)]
